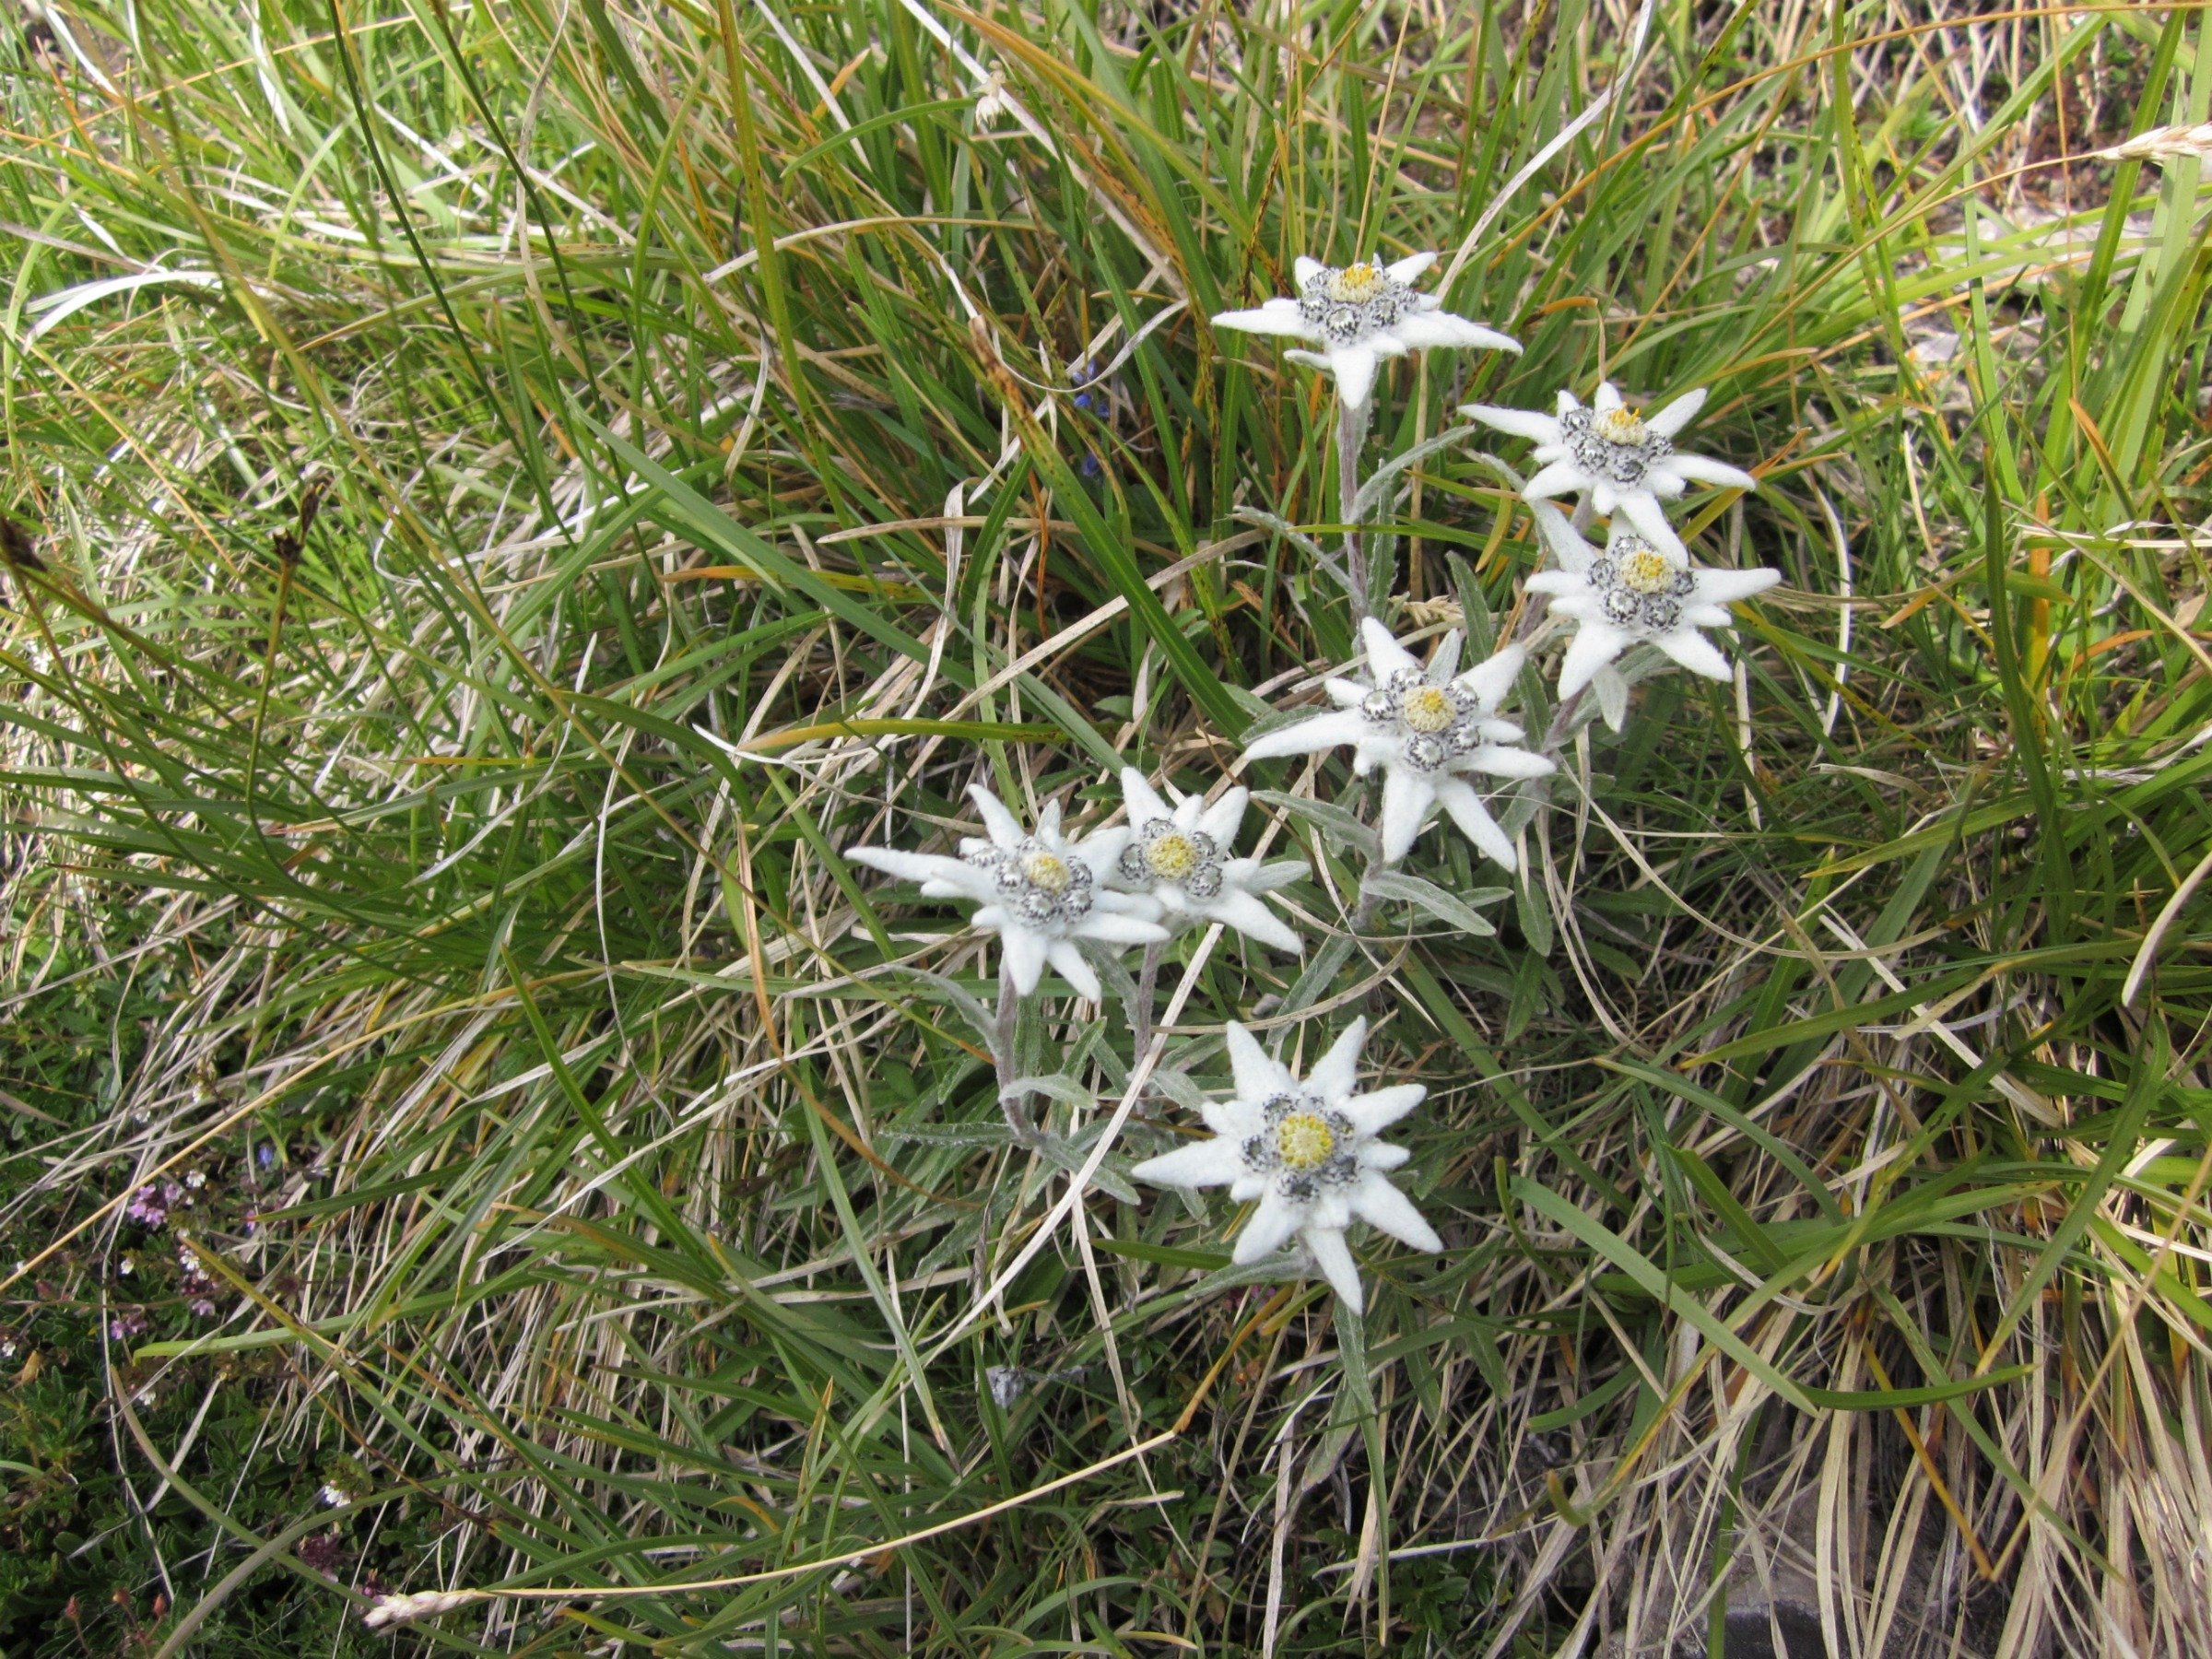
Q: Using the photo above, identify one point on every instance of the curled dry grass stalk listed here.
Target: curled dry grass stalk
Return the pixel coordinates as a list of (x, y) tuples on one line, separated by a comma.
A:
[(708, 482)]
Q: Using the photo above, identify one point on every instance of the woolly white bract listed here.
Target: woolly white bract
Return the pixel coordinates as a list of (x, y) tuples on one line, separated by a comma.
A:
[(1429, 730), (1623, 461), (1041, 893), (1179, 857), (1308, 1152), (1359, 314), (1633, 592)]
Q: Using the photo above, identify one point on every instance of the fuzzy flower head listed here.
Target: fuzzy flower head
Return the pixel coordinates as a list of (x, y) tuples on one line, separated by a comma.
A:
[(1039, 891), (1623, 461), (1431, 729), (1359, 314), (1306, 1151), (1632, 592), (1183, 858)]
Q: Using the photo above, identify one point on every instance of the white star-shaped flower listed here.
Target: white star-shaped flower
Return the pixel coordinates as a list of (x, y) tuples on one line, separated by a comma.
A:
[(1429, 730), (1041, 893), (1179, 857), (1624, 462), (1308, 1152), (1359, 314), (1632, 591)]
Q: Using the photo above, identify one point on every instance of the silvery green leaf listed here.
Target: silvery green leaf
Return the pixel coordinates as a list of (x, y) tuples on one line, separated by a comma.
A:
[(1354, 1404), (1643, 662), (1065, 1154), (952, 1134), (1474, 610), (1382, 550), (1512, 478), (1115, 1067), (1058, 1087), (1372, 490), (1337, 820), (1323, 1462), (1535, 913), (1093, 1040), (1351, 1343), (1446, 907), (1319, 975), (1179, 1088), (1519, 808), (1612, 695), (1277, 872), (1119, 983), (1282, 527), (1299, 539), (959, 998), (1534, 699)]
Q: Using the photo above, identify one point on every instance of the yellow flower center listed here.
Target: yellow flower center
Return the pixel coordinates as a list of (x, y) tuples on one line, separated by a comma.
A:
[(1646, 570), (1172, 857), (1427, 710), (1046, 873), (1356, 283), (1303, 1142), (1623, 425)]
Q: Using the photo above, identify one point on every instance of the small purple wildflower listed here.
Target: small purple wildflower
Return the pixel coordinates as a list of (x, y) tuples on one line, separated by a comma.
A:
[(1084, 376)]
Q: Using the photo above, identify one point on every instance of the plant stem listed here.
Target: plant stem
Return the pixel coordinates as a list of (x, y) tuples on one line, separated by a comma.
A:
[(1351, 433), (1009, 1101), (1561, 719), (1140, 1022), (1364, 911)]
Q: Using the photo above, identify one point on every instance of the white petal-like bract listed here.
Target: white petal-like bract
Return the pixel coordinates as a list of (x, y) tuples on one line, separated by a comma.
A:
[(1307, 1152), (1635, 591), (1432, 730), (1355, 315), (1039, 891)]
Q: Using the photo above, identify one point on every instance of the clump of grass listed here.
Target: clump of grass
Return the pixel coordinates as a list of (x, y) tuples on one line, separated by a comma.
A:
[(702, 485)]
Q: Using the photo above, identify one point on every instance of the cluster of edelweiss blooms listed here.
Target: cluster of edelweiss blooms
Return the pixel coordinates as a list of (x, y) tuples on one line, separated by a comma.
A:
[(1306, 1149)]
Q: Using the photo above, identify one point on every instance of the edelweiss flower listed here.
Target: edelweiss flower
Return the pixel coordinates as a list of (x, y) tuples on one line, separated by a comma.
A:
[(1308, 1152), (1428, 731), (1040, 893), (1178, 857), (1633, 592), (1624, 462), (1359, 314)]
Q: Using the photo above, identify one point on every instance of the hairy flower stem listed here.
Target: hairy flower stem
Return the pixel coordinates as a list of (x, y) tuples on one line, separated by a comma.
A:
[(1140, 1020), (1351, 433), (1562, 720), (1363, 912), (1010, 1100)]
